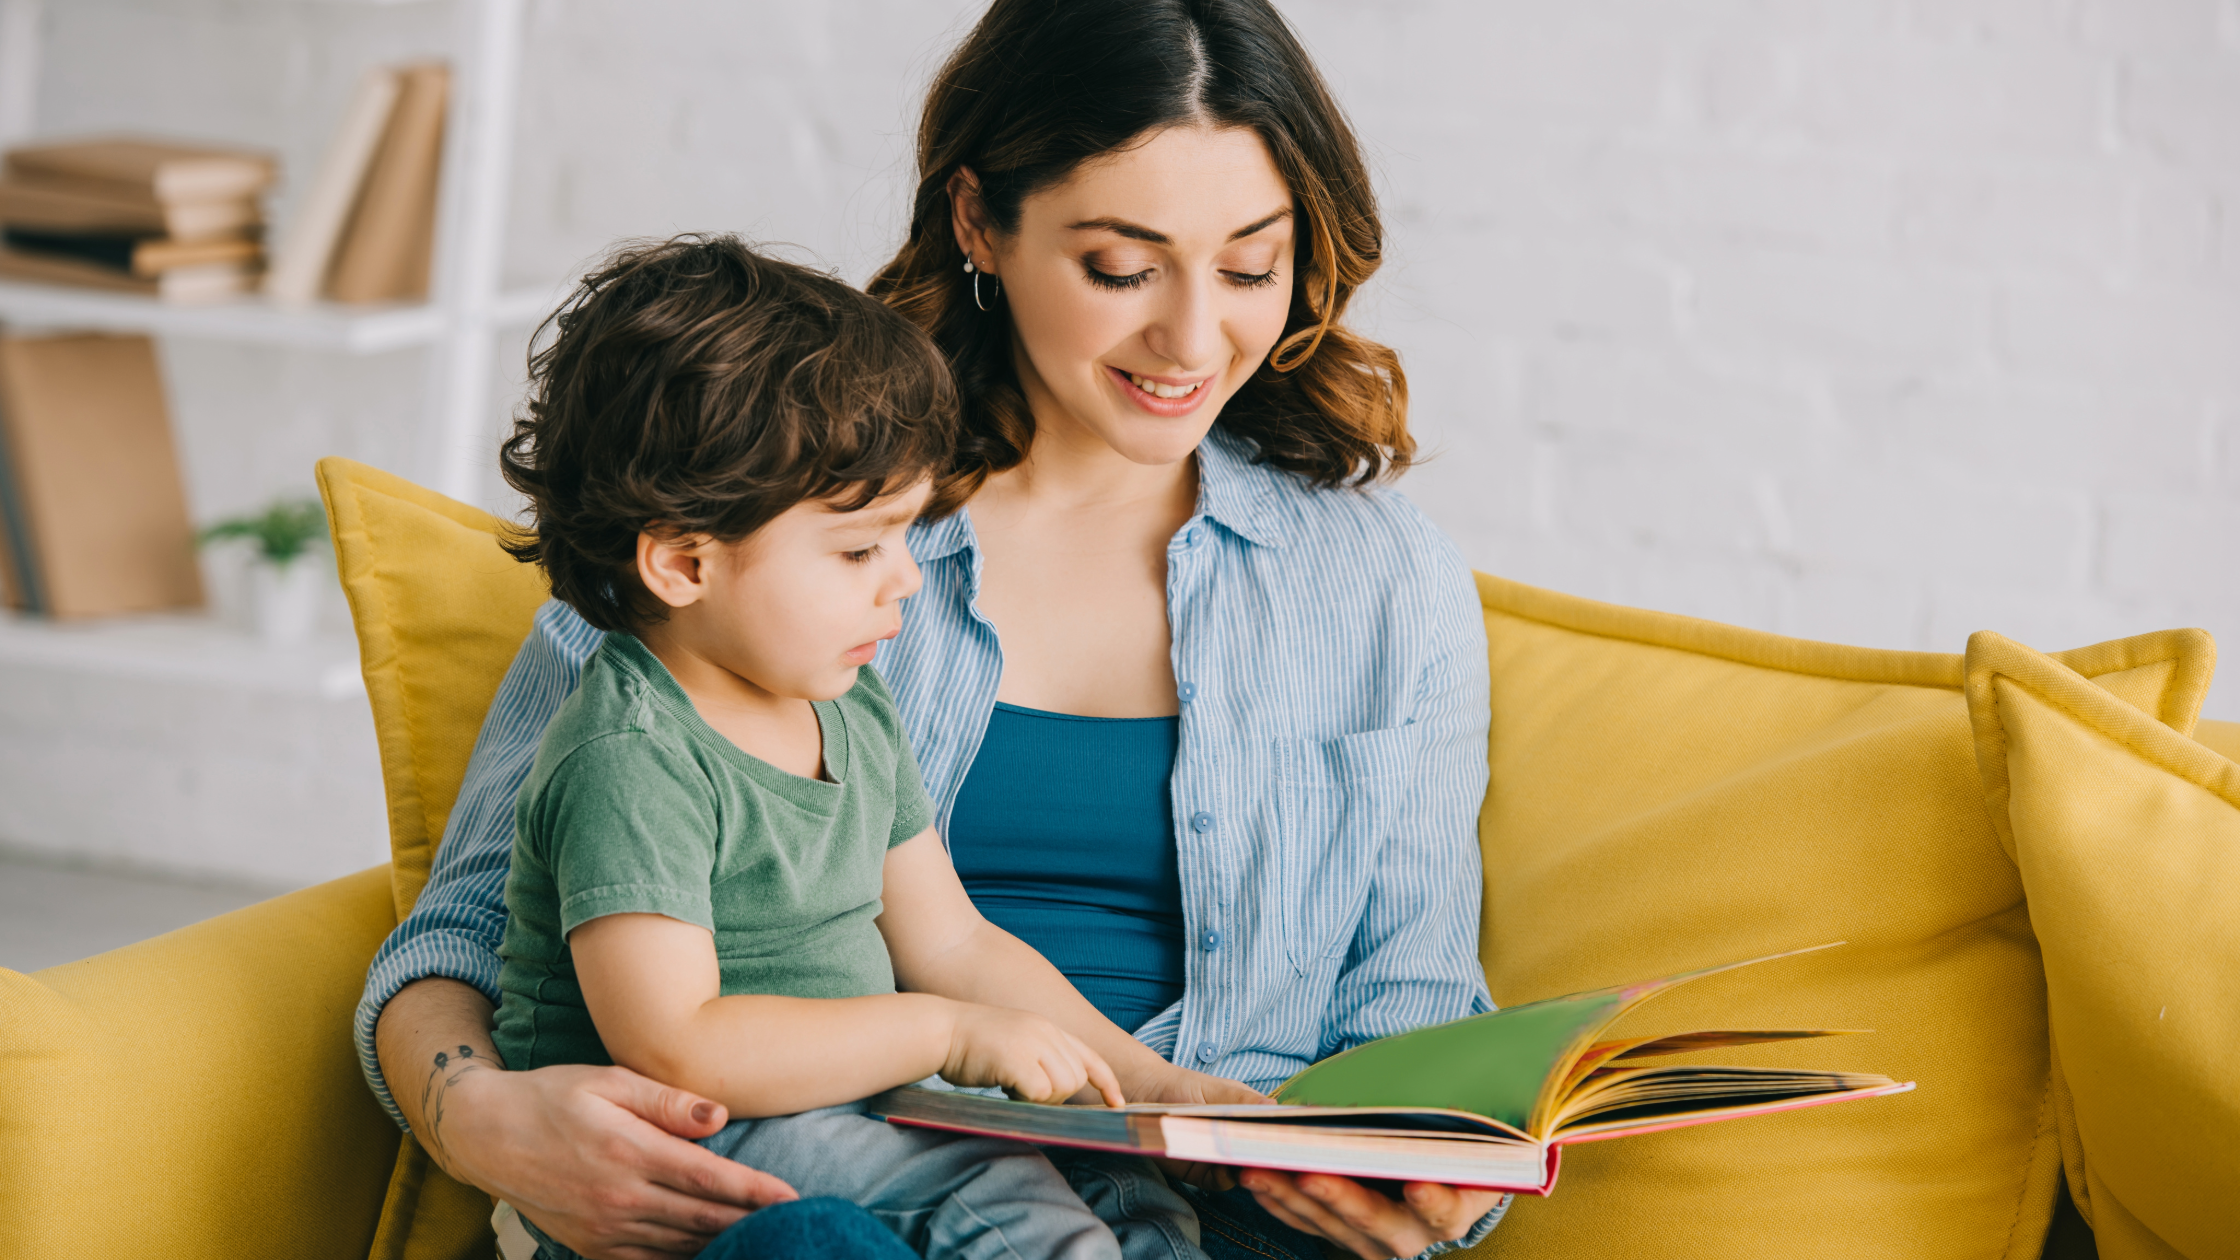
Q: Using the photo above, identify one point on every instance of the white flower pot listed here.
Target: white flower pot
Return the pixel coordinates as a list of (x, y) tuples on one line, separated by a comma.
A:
[(284, 598)]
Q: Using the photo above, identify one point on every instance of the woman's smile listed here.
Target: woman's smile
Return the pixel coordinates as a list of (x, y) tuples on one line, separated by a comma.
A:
[(1161, 395)]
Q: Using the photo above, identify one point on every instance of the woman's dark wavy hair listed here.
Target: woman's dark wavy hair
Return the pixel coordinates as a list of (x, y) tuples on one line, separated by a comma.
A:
[(1039, 87), (694, 386)]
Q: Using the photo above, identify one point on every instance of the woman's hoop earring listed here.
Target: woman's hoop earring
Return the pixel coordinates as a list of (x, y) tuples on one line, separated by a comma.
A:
[(977, 301)]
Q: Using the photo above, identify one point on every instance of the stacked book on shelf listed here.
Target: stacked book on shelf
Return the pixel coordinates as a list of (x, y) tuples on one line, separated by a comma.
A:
[(178, 221), (185, 222), (93, 511)]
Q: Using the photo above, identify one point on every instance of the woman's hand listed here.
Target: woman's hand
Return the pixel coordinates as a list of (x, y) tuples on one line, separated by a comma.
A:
[(1164, 1082), (1363, 1221), (600, 1159), (1025, 1055)]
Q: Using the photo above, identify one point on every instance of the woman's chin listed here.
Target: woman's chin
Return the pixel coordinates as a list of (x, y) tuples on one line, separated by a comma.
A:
[(1157, 443)]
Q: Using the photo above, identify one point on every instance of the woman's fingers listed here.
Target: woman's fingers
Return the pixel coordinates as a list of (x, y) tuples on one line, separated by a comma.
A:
[(1447, 1211), (681, 1112), (1345, 1212), (1286, 1200)]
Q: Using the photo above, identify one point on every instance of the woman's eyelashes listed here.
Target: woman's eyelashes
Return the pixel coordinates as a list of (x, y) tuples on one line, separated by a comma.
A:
[(1103, 279), (1137, 279)]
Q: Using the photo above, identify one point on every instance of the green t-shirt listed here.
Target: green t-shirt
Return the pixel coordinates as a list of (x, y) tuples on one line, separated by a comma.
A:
[(636, 805)]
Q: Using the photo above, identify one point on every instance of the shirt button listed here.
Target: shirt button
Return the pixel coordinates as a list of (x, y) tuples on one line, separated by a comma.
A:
[(1190, 536), (1201, 821), (1207, 1053), (1212, 941), (1188, 692)]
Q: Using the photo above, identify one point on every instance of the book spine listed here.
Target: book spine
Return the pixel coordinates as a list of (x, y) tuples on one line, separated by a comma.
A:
[(385, 250), (17, 572), (307, 253)]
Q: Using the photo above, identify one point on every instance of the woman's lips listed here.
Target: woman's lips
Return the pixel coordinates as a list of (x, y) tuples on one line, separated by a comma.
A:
[(1154, 403)]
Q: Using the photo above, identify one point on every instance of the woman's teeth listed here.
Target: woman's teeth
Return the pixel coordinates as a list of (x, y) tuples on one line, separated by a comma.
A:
[(1158, 390)]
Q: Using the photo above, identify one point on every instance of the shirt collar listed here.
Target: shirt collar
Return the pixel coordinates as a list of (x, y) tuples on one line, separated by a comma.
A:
[(935, 540), (1240, 495)]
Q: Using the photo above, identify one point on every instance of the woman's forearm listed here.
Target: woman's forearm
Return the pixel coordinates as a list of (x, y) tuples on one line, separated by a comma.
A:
[(433, 1033)]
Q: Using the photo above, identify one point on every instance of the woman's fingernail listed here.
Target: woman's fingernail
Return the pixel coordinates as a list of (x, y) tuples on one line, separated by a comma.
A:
[(703, 1112)]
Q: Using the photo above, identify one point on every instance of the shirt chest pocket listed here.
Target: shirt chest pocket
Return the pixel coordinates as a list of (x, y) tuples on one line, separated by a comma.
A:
[(1337, 799)]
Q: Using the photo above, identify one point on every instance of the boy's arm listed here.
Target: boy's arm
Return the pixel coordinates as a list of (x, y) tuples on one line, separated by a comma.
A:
[(652, 985), (941, 945)]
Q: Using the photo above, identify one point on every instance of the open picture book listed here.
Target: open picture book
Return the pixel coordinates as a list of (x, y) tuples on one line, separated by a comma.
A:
[(1487, 1101)]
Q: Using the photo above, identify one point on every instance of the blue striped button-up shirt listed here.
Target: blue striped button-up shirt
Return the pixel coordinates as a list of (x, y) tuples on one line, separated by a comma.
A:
[(1330, 657)]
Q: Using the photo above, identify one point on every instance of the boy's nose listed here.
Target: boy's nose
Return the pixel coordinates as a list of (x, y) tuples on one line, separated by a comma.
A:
[(910, 578)]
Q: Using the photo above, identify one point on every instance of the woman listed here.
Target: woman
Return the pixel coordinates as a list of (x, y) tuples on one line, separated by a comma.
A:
[(1203, 713)]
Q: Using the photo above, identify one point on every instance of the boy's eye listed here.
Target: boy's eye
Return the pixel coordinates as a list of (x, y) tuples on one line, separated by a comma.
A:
[(864, 556)]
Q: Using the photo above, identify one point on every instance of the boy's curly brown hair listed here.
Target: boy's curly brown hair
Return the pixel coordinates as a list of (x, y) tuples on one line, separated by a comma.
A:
[(695, 387)]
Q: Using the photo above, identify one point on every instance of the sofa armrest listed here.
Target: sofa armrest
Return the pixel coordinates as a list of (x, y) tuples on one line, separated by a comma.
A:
[(197, 1095)]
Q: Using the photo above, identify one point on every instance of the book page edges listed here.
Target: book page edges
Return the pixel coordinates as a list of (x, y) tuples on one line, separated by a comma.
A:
[(1553, 1090), (1691, 1119), (1248, 1145)]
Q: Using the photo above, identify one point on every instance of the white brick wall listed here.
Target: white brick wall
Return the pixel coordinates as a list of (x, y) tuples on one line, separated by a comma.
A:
[(1870, 320)]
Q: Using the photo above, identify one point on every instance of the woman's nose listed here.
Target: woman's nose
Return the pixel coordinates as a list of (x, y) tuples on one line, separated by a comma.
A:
[(1187, 331)]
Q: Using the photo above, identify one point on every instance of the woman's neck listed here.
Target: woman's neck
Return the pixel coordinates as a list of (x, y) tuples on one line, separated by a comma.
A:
[(1069, 470)]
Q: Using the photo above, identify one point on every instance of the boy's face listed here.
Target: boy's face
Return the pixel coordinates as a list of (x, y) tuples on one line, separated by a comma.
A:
[(798, 607)]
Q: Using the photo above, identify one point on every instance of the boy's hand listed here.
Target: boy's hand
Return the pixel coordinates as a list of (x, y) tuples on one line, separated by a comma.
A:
[(1026, 1055)]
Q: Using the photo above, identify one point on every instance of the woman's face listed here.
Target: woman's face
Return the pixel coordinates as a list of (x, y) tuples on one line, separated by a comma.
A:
[(1146, 289)]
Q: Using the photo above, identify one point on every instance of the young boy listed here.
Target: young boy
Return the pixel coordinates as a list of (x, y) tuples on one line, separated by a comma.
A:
[(724, 860)]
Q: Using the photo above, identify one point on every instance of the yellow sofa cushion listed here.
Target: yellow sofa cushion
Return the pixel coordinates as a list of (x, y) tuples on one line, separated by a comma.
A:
[(195, 1096), (1668, 793), (440, 611), (2127, 835)]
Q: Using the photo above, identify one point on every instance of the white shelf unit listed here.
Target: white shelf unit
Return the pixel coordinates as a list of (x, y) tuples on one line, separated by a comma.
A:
[(466, 308), (177, 741)]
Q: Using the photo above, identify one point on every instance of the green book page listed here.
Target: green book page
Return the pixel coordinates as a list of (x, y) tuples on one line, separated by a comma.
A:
[(1491, 1065), (1506, 1065)]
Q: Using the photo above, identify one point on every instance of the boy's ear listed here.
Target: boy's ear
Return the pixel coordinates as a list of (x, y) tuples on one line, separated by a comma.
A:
[(674, 568)]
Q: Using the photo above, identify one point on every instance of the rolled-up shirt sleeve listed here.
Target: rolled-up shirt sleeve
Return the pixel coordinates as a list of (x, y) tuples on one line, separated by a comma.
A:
[(455, 927)]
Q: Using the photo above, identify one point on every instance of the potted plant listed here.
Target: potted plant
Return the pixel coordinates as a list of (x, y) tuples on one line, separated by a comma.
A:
[(283, 579)]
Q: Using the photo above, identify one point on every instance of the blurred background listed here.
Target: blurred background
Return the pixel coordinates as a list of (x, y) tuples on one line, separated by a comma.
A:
[(1876, 321)]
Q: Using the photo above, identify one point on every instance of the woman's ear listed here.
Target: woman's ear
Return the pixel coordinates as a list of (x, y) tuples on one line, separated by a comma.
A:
[(674, 568), (969, 218)]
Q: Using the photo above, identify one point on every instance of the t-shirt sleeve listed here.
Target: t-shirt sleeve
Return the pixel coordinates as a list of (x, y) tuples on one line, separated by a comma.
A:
[(628, 826), (913, 809)]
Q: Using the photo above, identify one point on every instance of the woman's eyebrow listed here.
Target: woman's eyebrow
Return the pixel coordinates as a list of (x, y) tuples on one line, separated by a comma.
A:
[(1138, 232), (1121, 227), (1257, 224)]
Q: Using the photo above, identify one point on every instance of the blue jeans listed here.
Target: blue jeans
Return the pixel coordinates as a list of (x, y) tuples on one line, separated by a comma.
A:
[(808, 1229), (971, 1198)]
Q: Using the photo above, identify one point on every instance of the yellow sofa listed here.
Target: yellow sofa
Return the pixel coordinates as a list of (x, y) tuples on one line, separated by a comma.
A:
[(1665, 793)]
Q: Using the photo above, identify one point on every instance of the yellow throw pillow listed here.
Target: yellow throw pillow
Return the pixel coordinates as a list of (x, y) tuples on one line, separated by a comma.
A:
[(440, 611), (1668, 793), (194, 1096), (2127, 834)]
